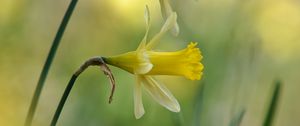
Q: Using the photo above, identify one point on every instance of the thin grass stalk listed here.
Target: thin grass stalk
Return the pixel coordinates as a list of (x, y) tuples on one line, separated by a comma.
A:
[(237, 119), (199, 104), (48, 63), (273, 105), (177, 119)]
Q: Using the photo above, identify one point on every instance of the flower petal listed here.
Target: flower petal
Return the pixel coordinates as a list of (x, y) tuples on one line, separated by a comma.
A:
[(170, 22), (160, 93), (167, 10), (138, 102), (175, 30), (144, 65), (147, 16), (147, 21)]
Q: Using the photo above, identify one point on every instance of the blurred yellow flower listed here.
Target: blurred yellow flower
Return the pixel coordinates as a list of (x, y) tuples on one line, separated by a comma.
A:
[(145, 62)]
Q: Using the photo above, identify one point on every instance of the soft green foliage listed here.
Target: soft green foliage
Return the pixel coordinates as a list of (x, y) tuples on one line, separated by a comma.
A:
[(270, 115), (237, 119)]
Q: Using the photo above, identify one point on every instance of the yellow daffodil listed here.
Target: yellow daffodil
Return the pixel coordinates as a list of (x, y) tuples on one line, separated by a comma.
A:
[(144, 62)]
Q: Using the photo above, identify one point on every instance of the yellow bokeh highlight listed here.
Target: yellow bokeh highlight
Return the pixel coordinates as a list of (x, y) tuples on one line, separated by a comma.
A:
[(278, 25), (6, 9)]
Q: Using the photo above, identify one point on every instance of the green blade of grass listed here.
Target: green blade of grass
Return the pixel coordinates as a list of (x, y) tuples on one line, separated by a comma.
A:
[(237, 119), (273, 105), (177, 119), (48, 63), (199, 105)]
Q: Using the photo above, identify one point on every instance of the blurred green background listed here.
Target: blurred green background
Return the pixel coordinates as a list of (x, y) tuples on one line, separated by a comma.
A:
[(246, 44)]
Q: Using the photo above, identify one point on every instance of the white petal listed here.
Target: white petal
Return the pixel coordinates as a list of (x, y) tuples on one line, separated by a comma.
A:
[(147, 21), (138, 102), (143, 42), (170, 23), (144, 65), (147, 16), (143, 68), (166, 11), (175, 30), (160, 93), (166, 8)]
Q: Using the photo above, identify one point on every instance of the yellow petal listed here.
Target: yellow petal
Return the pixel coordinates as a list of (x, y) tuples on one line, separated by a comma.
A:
[(138, 103), (160, 93), (184, 62)]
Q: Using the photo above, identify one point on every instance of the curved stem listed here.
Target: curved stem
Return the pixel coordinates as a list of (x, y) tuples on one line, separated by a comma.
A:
[(63, 100), (48, 63), (96, 61)]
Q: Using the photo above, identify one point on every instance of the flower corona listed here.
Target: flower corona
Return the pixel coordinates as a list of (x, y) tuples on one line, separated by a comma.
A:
[(184, 62)]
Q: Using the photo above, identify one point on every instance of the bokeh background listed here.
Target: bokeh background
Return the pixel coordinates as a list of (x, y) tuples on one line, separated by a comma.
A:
[(247, 45)]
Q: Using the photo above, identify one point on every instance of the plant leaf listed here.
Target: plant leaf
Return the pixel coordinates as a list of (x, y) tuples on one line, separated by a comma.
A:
[(273, 104)]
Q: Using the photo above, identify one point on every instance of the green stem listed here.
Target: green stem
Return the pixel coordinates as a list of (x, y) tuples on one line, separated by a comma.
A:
[(178, 119), (237, 119), (95, 61), (63, 100), (48, 63), (199, 104), (273, 105)]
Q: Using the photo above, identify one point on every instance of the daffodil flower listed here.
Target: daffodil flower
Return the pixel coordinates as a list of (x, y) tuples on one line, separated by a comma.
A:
[(144, 63)]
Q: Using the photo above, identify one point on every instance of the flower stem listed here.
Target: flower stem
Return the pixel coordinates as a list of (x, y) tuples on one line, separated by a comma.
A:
[(63, 100), (178, 119), (96, 61), (48, 63)]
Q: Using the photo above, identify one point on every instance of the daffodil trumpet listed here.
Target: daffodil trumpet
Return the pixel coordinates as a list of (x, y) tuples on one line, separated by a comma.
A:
[(185, 62), (145, 62)]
